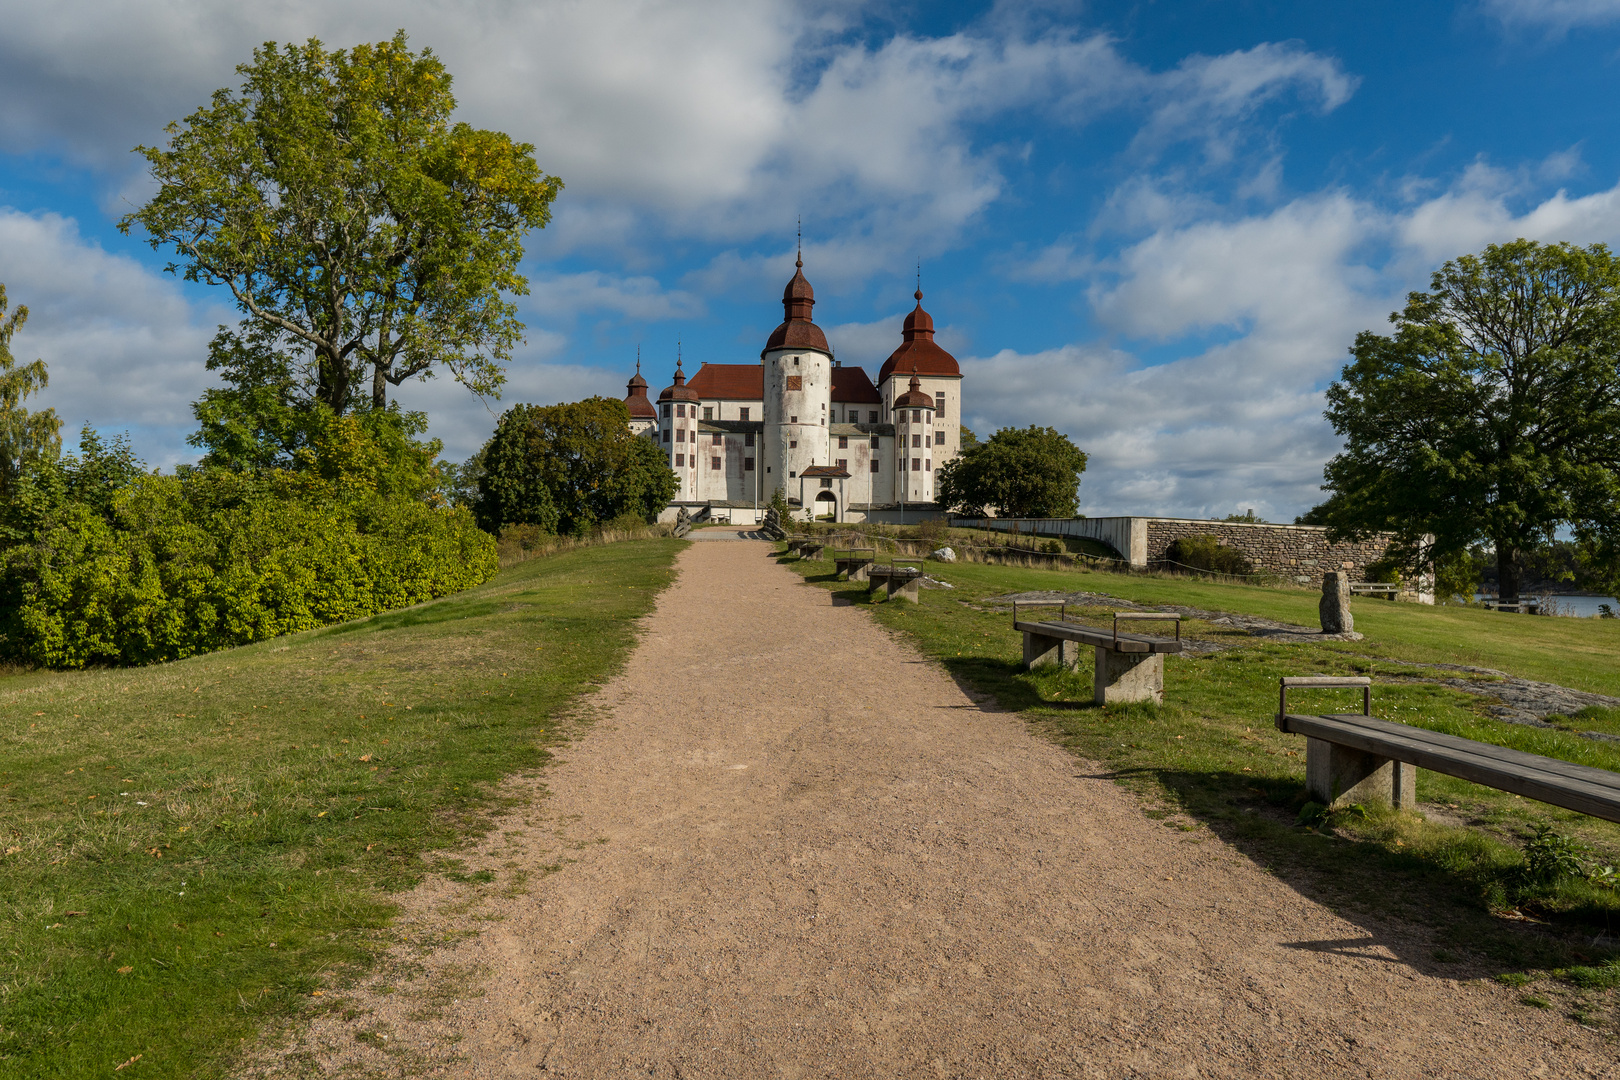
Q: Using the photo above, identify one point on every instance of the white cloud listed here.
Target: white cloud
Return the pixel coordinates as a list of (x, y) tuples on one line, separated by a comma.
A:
[(717, 118), (1554, 14), (124, 346), (1239, 424), (641, 299)]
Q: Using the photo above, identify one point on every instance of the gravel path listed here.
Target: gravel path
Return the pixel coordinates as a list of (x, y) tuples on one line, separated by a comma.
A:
[(794, 848)]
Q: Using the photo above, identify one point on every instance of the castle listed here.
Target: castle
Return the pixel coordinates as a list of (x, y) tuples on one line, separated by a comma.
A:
[(836, 444)]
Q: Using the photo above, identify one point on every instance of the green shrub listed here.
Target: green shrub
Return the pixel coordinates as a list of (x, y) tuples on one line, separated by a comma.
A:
[(1209, 554), (172, 566)]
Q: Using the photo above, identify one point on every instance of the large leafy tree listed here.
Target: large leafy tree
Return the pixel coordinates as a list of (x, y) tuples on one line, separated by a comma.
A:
[(364, 236), (1021, 472), (1492, 413), (26, 436), (568, 467)]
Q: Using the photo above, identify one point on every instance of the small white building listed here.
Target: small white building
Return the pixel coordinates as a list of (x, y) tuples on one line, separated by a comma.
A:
[(834, 442)]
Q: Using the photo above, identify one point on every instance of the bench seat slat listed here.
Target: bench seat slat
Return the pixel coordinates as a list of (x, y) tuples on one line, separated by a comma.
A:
[(1091, 635), (1560, 783)]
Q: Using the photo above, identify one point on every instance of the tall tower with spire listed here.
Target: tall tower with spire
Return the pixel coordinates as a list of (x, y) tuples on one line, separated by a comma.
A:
[(797, 380)]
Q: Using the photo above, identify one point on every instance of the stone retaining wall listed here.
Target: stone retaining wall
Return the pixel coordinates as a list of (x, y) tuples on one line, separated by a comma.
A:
[(1301, 552)]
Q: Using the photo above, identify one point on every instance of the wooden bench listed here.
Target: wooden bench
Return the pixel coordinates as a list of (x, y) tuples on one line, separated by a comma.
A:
[(853, 562), (1128, 667), (1351, 758), (897, 577), (1373, 588)]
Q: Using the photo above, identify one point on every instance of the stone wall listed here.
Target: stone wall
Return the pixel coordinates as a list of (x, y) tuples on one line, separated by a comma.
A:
[(1301, 552)]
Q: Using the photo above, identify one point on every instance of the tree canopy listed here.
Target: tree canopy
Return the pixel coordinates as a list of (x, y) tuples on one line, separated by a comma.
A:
[(568, 467), (1021, 472), (1492, 413), (26, 437), (362, 233)]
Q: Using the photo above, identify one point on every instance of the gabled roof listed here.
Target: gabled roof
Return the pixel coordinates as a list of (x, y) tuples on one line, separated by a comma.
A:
[(730, 382), (851, 385)]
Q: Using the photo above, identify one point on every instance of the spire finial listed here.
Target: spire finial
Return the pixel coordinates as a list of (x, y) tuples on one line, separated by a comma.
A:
[(798, 260), (638, 359), (918, 293)]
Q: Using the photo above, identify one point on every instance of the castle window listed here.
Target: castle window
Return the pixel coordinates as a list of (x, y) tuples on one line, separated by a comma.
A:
[(939, 404), (916, 416), (680, 461), (744, 414), (680, 435), (680, 410), (874, 465), (843, 463), (666, 410), (876, 442), (939, 438), (791, 473), (928, 440), (916, 464), (714, 463), (795, 361), (793, 444), (748, 439), (666, 435), (748, 464), (717, 438), (928, 466), (708, 412), (826, 482), (843, 442), (916, 440), (871, 417)]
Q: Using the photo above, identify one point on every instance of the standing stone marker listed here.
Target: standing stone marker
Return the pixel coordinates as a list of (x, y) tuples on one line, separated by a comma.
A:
[(1334, 608)]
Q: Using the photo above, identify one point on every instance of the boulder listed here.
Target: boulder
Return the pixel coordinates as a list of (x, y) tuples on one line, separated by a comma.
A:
[(945, 554), (1334, 608)]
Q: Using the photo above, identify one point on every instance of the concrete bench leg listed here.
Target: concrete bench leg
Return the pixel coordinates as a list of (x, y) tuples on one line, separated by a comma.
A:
[(858, 572), (1127, 677), (1040, 650), (1337, 776), (909, 590)]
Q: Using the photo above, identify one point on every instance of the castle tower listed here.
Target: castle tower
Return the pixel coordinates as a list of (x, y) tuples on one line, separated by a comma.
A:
[(913, 437), (643, 417), (798, 390), (678, 430), (934, 372)]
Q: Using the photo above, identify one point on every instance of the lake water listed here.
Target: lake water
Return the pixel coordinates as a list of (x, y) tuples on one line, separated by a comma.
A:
[(1584, 607)]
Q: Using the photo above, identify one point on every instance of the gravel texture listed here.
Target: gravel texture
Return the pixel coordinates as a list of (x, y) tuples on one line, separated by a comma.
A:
[(792, 847)]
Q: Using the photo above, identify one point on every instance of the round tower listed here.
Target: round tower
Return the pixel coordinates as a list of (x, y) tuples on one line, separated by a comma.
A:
[(798, 391), (677, 425), (913, 436)]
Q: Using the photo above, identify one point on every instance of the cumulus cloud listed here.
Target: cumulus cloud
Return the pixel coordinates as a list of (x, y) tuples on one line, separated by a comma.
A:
[(1238, 424), (124, 346), (641, 299)]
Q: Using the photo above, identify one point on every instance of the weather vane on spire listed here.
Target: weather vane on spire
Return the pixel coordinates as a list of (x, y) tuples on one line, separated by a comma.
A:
[(798, 260)]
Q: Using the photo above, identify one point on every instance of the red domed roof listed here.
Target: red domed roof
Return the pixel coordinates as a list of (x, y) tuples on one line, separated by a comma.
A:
[(914, 398), (797, 331), (680, 391), (917, 350), (636, 397)]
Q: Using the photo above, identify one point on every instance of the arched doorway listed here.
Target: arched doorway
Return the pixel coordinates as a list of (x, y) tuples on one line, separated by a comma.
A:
[(826, 506)]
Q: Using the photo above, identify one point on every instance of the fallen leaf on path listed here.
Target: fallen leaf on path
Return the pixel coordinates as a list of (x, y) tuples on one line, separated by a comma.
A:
[(125, 970), (131, 1061)]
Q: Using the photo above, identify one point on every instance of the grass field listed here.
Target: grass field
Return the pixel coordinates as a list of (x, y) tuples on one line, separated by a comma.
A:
[(197, 849), (1211, 754)]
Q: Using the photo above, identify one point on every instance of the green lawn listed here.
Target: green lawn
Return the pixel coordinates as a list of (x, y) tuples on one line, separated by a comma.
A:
[(1211, 754), (194, 849)]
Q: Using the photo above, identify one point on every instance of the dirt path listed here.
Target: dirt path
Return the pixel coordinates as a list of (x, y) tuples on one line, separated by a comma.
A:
[(805, 852)]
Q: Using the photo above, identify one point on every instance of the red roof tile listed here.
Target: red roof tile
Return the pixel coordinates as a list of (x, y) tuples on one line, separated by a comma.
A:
[(852, 385), (917, 351), (730, 382)]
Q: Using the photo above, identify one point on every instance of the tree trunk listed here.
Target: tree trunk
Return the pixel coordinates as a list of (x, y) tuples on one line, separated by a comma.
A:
[(379, 387), (1507, 573)]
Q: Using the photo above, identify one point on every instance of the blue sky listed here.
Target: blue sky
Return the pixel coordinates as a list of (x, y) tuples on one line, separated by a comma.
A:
[(1156, 226)]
